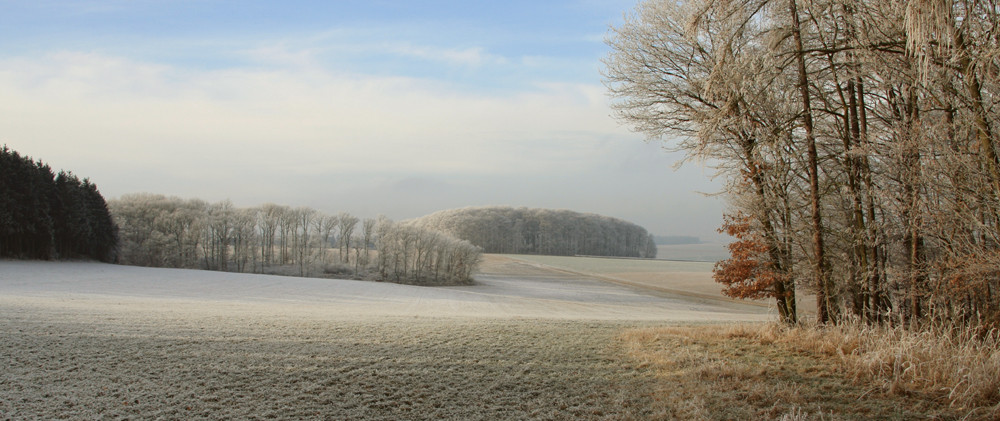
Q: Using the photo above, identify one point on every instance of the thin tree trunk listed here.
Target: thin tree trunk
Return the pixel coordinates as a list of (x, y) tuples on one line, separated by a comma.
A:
[(820, 270), (784, 294), (858, 230), (877, 304), (984, 133)]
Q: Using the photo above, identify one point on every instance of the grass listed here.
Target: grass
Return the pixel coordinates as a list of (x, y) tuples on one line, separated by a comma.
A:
[(108, 363), (120, 360), (766, 371), (112, 365), (959, 367)]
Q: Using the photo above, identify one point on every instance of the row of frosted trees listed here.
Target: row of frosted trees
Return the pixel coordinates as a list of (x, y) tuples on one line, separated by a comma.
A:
[(44, 215), (504, 229), (858, 139), (189, 233), (412, 254)]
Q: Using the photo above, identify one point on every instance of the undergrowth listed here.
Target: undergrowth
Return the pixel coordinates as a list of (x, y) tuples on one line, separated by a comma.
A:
[(848, 371), (959, 367)]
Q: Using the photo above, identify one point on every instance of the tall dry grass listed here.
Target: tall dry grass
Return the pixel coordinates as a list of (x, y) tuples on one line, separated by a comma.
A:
[(956, 366), (846, 371), (716, 373)]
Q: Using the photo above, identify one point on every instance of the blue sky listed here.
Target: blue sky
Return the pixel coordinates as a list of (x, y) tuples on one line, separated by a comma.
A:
[(393, 107)]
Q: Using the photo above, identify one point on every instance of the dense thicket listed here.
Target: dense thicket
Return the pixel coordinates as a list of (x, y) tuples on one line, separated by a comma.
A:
[(45, 215), (171, 232), (858, 138), (502, 229)]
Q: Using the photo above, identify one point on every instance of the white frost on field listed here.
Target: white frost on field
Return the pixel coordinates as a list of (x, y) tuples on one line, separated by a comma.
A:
[(531, 293)]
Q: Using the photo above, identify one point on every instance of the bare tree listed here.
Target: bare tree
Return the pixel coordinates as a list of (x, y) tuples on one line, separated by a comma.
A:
[(411, 254), (268, 220), (324, 226), (160, 231), (220, 232), (700, 72), (245, 239), (345, 224), (367, 237), (303, 246), (884, 173)]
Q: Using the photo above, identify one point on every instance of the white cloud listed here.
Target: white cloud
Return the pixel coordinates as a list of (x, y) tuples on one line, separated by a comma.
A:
[(117, 108), (302, 134), (394, 117), (471, 57)]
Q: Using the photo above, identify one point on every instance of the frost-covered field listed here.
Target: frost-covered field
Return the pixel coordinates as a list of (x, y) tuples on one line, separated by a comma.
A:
[(92, 341), (682, 277), (703, 252), (689, 279), (505, 288)]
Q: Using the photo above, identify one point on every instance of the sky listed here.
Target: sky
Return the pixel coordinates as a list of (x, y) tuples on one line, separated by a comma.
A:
[(371, 107)]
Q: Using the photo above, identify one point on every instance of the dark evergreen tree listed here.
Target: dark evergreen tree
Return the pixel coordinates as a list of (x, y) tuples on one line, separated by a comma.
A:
[(103, 234), (44, 216), (69, 216), (27, 226)]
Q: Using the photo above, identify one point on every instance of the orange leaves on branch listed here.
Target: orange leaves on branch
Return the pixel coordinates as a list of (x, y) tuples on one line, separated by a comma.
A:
[(969, 273), (748, 273)]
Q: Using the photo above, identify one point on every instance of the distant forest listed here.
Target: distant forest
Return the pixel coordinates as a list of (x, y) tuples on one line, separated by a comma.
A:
[(504, 229), (44, 215), (189, 233), (676, 240)]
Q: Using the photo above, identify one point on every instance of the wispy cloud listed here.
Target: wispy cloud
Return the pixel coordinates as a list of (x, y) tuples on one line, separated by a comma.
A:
[(472, 105), (353, 121), (472, 56)]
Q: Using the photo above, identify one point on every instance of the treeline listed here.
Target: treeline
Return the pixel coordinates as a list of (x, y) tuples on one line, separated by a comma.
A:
[(411, 254), (44, 215), (858, 138), (504, 229), (165, 231)]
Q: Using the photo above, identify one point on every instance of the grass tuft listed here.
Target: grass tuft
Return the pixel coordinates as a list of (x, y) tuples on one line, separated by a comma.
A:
[(848, 371), (948, 364), (957, 366)]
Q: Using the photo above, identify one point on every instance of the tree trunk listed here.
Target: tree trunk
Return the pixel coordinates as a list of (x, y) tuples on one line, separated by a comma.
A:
[(984, 133), (784, 291), (877, 303), (858, 231), (820, 270)]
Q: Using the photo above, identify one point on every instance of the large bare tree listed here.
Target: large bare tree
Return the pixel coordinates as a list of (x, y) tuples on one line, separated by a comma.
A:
[(858, 137)]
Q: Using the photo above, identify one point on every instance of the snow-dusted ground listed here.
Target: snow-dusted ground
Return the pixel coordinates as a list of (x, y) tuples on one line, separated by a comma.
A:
[(505, 288), (528, 341)]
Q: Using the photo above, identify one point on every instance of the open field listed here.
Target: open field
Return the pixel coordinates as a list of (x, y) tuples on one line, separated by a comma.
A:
[(528, 341), (88, 341), (505, 288), (702, 252), (684, 277), (112, 363), (691, 279)]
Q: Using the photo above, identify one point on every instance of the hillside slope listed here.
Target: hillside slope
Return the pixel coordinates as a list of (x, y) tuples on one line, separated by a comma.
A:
[(504, 288)]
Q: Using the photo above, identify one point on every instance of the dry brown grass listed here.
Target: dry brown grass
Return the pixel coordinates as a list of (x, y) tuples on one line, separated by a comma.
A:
[(957, 367), (767, 371)]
